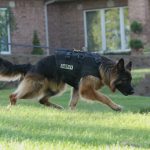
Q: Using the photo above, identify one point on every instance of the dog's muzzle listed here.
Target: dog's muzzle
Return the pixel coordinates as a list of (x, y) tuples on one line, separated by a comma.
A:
[(125, 89)]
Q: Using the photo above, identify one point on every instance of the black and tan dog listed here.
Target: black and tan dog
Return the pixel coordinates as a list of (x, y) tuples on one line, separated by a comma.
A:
[(86, 72)]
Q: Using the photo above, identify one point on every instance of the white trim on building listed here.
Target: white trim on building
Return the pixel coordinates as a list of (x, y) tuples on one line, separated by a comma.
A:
[(103, 30)]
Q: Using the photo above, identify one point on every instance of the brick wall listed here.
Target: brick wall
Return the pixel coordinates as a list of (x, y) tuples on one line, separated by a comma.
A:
[(66, 22), (140, 10), (29, 16)]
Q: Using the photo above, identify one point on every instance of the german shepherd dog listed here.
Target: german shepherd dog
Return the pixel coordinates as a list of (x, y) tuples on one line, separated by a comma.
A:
[(43, 80)]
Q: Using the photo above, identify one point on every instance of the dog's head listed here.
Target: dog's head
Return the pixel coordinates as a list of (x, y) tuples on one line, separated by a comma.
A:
[(121, 78)]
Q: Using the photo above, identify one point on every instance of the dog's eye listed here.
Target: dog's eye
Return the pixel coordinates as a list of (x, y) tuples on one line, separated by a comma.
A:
[(124, 80), (120, 82)]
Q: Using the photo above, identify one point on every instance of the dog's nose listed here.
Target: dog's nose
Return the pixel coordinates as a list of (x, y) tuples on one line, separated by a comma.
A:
[(132, 91)]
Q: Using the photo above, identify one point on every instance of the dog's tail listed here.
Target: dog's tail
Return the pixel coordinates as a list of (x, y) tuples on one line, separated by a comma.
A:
[(12, 72)]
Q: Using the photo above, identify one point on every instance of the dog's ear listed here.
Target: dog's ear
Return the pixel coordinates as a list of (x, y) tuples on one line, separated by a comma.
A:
[(129, 66), (120, 65)]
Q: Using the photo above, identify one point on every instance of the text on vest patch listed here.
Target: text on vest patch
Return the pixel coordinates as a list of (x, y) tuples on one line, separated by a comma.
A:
[(66, 66)]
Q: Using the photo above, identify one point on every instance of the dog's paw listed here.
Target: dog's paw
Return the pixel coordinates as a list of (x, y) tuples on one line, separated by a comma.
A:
[(72, 108), (60, 107), (57, 107), (118, 108), (9, 107)]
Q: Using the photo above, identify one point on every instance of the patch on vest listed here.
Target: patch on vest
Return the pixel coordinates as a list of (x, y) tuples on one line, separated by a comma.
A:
[(66, 66)]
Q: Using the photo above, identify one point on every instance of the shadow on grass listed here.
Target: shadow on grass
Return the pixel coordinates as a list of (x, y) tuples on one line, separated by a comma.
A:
[(131, 103), (145, 110), (84, 134)]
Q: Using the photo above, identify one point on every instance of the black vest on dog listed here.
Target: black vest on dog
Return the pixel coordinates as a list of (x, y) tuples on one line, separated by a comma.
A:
[(73, 65)]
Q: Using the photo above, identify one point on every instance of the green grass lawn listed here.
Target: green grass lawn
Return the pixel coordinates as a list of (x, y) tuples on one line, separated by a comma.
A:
[(92, 126)]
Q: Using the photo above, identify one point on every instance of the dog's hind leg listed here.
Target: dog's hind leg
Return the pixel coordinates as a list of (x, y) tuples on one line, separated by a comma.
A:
[(52, 89), (13, 99), (74, 99), (29, 88), (44, 101)]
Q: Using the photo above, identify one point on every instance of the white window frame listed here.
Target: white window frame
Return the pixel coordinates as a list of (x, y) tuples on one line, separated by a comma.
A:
[(103, 31), (9, 38)]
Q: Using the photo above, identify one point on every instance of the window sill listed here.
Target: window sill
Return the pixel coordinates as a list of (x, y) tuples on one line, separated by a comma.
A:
[(119, 52)]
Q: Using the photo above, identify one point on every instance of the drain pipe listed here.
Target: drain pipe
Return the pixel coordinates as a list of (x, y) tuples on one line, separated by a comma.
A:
[(46, 23)]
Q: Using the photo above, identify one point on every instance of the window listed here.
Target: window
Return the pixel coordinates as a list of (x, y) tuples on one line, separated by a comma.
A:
[(107, 30), (4, 31)]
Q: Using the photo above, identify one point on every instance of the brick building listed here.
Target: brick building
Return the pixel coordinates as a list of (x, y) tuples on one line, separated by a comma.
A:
[(95, 25), (28, 16)]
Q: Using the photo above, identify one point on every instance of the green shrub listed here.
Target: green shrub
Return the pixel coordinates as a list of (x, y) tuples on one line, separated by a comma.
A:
[(136, 27), (136, 44), (36, 42)]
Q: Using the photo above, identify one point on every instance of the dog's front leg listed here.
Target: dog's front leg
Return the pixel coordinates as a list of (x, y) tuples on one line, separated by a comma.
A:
[(106, 100), (92, 94), (74, 99)]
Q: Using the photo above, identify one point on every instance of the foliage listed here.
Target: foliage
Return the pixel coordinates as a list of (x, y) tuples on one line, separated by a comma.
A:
[(136, 27), (112, 26), (94, 31), (6, 18), (11, 20), (136, 44), (37, 50)]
